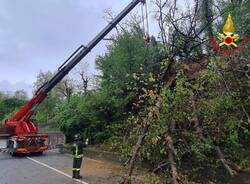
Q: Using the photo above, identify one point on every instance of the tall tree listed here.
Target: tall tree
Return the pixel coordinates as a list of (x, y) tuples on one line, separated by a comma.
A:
[(45, 112), (206, 13), (21, 94)]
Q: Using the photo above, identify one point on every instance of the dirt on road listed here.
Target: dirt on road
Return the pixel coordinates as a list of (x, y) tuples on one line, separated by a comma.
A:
[(101, 171), (104, 172), (102, 167)]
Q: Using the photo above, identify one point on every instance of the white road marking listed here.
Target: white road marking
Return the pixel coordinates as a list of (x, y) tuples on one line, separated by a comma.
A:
[(54, 169)]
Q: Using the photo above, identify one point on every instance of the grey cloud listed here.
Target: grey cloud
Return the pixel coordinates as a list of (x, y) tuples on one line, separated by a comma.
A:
[(8, 87), (39, 35)]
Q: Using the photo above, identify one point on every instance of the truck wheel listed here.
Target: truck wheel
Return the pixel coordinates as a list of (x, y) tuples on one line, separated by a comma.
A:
[(12, 153), (40, 152), (11, 148)]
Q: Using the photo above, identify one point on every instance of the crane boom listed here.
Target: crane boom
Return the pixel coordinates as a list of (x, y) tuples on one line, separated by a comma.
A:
[(81, 54), (75, 58), (24, 132)]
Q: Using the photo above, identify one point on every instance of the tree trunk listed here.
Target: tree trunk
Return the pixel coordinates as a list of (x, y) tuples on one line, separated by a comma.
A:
[(171, 154), (223, 160), (217, 148), (135, 152)]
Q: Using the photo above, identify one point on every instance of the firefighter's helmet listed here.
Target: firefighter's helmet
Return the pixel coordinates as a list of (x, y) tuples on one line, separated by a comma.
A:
[(77, 137)]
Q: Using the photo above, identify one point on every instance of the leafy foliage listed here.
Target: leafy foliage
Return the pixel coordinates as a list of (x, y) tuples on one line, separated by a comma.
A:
[(11, 103), (103, 113)]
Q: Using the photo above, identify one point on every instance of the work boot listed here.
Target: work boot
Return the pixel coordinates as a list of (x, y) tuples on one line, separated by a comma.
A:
[(78, 176), (74, 174)]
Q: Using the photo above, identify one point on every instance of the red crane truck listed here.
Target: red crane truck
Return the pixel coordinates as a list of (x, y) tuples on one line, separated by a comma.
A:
[(20, 133)]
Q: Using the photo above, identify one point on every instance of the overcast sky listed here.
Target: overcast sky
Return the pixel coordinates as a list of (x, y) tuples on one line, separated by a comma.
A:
[(40, 34)]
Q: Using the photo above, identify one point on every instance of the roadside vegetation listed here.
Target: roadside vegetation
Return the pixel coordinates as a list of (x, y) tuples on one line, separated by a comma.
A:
[(174, 103)]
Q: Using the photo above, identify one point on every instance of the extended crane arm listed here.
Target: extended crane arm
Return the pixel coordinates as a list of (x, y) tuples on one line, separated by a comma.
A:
[(27, 110)]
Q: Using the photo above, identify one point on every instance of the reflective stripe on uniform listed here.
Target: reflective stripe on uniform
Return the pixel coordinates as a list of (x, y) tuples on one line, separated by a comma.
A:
[(76, 150), (76, 169), (78, 156)]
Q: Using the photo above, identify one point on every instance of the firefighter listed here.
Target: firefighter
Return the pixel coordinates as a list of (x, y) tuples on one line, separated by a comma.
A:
[(77, 156)]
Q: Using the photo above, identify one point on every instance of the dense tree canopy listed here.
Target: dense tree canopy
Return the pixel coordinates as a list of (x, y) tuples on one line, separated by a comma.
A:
[(101, 112), (11, 103)]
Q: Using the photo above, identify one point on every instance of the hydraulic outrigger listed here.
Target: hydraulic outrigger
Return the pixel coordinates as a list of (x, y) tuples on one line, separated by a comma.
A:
[(22, 132)]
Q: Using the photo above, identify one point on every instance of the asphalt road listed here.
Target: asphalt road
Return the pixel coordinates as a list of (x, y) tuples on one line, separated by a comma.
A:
[(49, 168)]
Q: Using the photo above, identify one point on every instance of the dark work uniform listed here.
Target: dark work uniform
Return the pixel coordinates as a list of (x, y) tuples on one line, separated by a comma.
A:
[(77, 158)]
